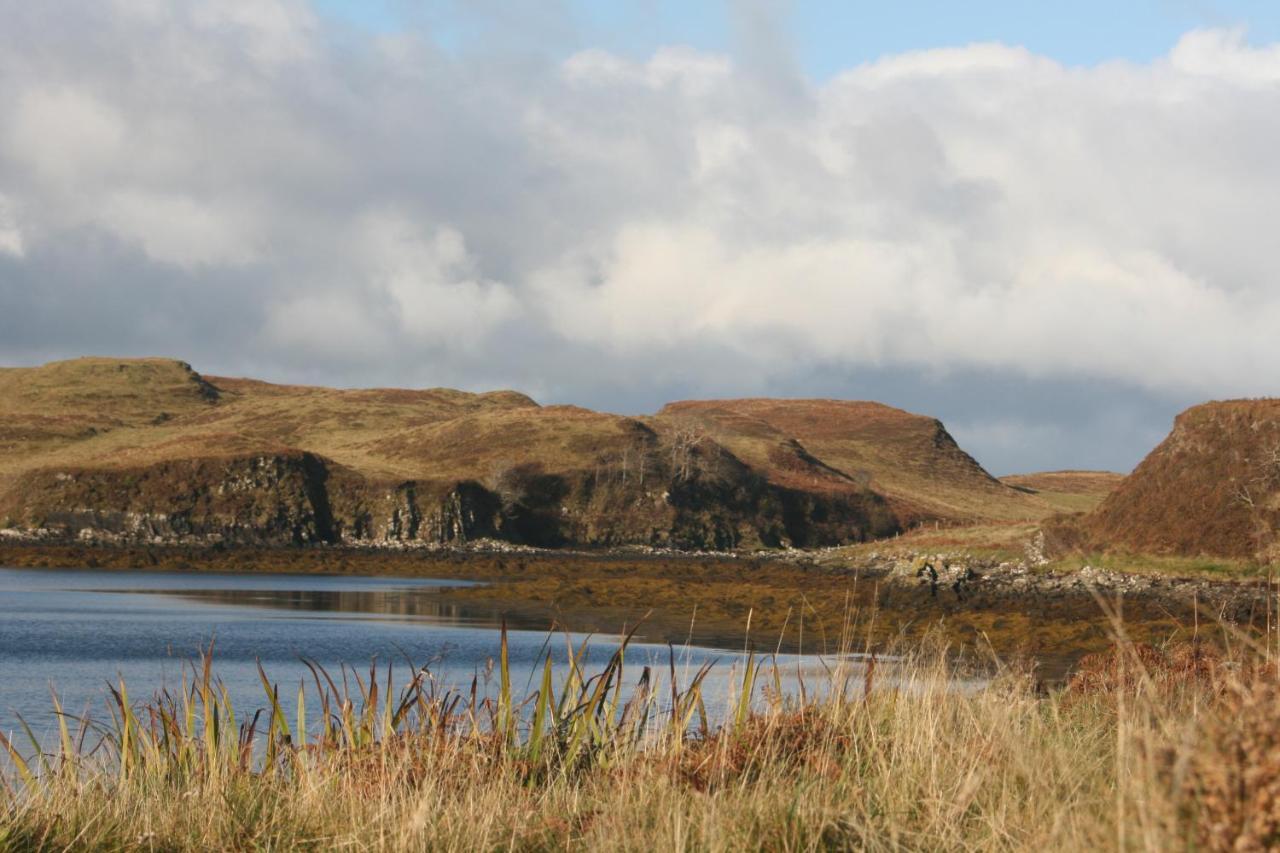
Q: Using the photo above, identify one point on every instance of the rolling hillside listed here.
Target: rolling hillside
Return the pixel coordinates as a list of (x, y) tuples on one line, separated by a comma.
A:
[(909, 459), (1067, 491), (149, 450)]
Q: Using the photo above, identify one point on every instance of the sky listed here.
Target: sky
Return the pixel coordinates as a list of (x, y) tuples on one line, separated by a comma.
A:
[(1052, 228)]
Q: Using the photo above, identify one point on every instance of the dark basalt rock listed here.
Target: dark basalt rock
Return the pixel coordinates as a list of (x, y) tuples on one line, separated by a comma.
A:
[(296, 498)]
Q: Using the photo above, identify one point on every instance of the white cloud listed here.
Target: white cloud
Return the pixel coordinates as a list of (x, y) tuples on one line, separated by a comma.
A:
[(325, 325), (968, 209), (63, 135), (973, 207), (11, 240), (273, 32), (179, 229), (1223, 54), (433, 281), (990, 58)]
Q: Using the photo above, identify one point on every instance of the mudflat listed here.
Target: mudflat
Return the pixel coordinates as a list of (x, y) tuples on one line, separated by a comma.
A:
[(981, 607)]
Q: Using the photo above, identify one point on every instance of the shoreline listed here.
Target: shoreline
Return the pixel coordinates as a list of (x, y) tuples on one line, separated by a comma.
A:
[(795, 601)]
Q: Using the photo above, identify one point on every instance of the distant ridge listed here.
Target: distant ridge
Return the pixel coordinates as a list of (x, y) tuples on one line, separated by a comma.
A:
[(1069, 491), (148, 450)]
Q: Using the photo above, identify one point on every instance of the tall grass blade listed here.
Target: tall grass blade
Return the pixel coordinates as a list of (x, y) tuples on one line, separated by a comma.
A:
[(542, 709), (64, 732), (20, 764), (748, 689), (506, 722), (301, 717)]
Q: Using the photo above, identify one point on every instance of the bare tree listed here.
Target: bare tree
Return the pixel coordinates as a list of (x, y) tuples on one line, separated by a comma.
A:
[(510, 481), (686, 440), (1253, 494)]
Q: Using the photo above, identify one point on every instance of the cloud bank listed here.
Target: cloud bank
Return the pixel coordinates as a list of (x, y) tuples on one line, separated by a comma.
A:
[(257, 189)]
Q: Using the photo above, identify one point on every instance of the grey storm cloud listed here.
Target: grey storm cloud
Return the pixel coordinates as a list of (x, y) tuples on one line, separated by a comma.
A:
[(1052, 258)]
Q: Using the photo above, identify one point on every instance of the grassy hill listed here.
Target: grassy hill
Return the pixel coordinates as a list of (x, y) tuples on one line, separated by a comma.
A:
[(1212, 487), (909, 459), (149, 450), (1067, 491)]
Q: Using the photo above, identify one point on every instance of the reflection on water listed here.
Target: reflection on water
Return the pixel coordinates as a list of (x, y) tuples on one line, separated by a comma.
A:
[(407, 604), (77, 630)]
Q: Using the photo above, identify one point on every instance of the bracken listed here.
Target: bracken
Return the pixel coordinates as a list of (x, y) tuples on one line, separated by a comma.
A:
[(1235, 778)]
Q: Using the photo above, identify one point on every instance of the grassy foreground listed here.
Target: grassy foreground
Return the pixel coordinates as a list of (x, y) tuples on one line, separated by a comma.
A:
[(1145, 749)]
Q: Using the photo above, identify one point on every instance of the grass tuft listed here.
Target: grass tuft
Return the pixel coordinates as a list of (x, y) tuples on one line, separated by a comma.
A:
[(1148, 748)]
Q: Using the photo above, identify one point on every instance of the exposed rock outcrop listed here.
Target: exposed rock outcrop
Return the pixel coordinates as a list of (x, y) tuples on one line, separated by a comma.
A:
[(149, 450), (299, 498)]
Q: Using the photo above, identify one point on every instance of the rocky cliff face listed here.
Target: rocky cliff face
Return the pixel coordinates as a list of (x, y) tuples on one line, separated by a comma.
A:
[(300, 498), (279, 498)]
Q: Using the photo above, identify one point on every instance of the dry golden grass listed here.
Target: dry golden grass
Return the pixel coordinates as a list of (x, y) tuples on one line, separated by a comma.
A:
[(1067, 491), (111, 412), (909, 458), (131, 412), (1135, 759), (992, 540), (752, 473), (1163, 565)]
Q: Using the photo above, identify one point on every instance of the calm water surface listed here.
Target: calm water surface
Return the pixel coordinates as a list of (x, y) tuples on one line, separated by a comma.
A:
[(76, 630)]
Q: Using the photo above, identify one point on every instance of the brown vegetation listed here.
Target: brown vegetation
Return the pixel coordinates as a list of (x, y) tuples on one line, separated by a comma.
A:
[(909, 459), (1226, 770), (1067, 491), (1234, 774), (1128, 666), (148, 450), (899, 759), (800, 604), (1211, 487)]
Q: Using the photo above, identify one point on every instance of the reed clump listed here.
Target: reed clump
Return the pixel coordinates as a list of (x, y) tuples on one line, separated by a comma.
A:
[(900, 755)]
